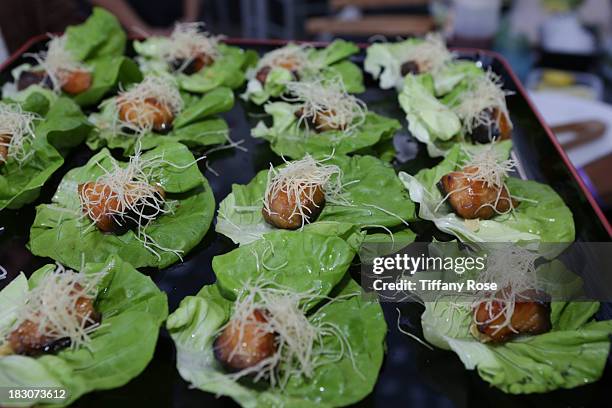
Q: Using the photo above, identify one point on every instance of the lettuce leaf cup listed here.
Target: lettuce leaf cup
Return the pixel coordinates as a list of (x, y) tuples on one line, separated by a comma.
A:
[(85, 63), (540, 215), (567, 348), (429, 120), (130, 310), (33, 132), (199, 61), (573, 353), (460, 103), (64, 124), (291, 136), (344, 357), (391, 62), (150, 211), (268, 79), (303, 262), (154, 112), (351, 185)]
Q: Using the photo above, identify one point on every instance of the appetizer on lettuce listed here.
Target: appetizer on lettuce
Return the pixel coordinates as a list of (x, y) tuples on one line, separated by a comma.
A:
[(30, 134), (475, 110), (429, 120), (480, 103), (85, 63), (319, 117), (150, 211), (154, 111), (78, 331), (295, 62), (283, 326), (471, 195), (198, 60), (391, 62), (305, 193), (519, 338)]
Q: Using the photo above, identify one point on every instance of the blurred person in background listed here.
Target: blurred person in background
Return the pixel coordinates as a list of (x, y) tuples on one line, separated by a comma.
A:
[(21, 20), (152, 16)]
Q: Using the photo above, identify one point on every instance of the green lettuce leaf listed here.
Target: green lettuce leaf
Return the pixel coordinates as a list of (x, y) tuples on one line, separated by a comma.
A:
[(65, 126), (336, 51), (453, 74), (299, 261), (132, 309), (109, 74), (335, 57), (288, 139), (99, 43), (100, 35), (241, 220), (351, 75), (542, 216), (62, 126), (573, 353), (429, 120), (35, 99), (61, 232), (227, 71), (384, 61), (194, 325), (333, 61), (195, 126), (274, 86)]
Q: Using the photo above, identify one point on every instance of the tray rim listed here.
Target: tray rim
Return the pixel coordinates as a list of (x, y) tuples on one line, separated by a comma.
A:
[(491, 54)]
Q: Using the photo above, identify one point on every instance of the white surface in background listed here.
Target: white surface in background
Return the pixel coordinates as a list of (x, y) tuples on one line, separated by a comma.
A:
[(558, 109), (476, 18), (564, 33)]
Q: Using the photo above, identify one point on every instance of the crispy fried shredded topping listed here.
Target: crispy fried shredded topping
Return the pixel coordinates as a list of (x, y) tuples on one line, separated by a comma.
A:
[(58, 62), (327, 100), (16, 132), (303, 342)]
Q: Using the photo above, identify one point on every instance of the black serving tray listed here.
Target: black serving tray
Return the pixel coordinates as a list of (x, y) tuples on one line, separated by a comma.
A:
[(411, 375)]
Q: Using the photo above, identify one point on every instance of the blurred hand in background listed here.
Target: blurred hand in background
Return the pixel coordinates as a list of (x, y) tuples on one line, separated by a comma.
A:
[(151, 17), (21, 20)]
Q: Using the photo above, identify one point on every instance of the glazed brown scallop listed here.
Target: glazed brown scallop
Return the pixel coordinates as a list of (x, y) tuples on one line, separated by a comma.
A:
[(322, 121), (244, 345), (262, 74), (471, 199), (4, 141), (34, 77), (283, 208), (76, 82), (289, 64), (26, 339), (149, 112), (410, 67), (499, 128), (530, 317), (196, 64), (504, 125), (107, 212)]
